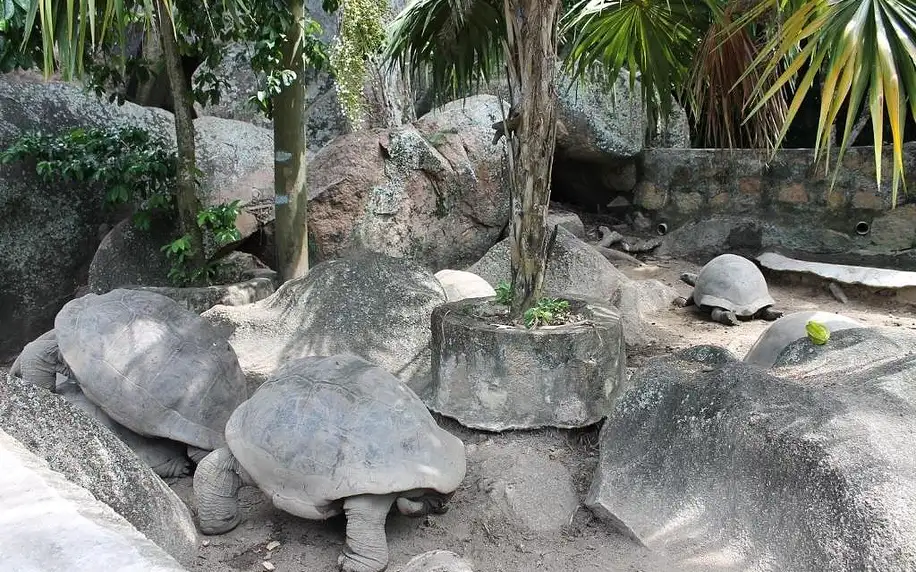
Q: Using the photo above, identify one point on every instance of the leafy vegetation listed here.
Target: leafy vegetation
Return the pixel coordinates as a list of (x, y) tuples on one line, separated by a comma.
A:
[(863, 52), (742, 69), (545, 312), (504, 293), (361, 36), (134, 168)]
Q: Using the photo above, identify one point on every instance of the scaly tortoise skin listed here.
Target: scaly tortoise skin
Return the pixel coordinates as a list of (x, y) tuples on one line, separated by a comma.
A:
[(730, 288), (327, 435)]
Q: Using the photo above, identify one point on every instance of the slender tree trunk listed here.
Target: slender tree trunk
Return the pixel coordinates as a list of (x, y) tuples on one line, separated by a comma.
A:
[(289, 159), (532, 27), (188, 203)]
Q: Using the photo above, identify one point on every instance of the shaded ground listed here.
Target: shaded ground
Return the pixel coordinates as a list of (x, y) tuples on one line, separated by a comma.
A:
[(472, 528)]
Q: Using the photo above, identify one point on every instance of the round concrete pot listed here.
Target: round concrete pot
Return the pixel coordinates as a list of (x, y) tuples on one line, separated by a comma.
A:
[(496, 377)]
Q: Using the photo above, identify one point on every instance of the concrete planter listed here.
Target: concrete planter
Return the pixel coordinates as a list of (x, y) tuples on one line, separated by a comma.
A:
[(493, 377)]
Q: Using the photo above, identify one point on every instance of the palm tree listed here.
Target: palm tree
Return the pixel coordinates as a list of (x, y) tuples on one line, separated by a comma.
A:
[(863, 51), (460, 42), (731, 62), (68, 30)]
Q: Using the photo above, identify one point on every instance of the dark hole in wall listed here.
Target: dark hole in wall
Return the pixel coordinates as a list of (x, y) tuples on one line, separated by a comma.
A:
[(154, 91), (261, 244), (591, 187)]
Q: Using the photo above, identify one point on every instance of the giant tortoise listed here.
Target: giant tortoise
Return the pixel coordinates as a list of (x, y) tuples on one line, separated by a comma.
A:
[(730, 287), (148, 363), (327, 435)]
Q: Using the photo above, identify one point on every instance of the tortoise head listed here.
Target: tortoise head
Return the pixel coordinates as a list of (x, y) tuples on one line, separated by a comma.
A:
[(421, 502)]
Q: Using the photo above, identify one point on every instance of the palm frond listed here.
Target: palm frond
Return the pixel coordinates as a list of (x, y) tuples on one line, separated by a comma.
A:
[(654, 39), (865, 50), (718, 87), (75, 26), (450, 45)]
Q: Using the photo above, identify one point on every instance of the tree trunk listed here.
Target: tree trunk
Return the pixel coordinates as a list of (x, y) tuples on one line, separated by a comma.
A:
[(186, 197), (532, 27), (291, 202)]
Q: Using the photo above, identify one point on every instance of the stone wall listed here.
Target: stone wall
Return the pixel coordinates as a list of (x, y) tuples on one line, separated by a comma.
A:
[(686, 188)]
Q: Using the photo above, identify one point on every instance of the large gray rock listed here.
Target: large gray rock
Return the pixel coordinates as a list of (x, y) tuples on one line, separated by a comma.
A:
[(237, 162), (789, 328), (812, 470), (599, 120), (574, 269), (51, 231), (605, 120), (373, 306), (493, 376), (90, 456), (434, 192), (129, 256), (53, 525), (568, 220), (639, 302), (702, 240)]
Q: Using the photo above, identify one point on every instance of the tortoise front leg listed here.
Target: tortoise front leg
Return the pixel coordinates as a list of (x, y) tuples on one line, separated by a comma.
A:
[(367, 546), (724, 317), (216, 487)]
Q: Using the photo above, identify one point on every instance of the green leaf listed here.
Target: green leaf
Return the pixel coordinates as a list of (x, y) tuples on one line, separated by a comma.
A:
[(451, 46), (866, 52)]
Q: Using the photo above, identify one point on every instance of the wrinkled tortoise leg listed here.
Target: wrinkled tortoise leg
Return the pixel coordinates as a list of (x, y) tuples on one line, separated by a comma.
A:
[(172, 468), (367, 546), (724, 317), (216, 487), (769, 314)]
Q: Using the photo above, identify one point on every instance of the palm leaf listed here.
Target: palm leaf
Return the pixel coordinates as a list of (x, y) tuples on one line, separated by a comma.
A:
[(450, 45), (719, 87), (656, 39), (66, 24), (866, 53)]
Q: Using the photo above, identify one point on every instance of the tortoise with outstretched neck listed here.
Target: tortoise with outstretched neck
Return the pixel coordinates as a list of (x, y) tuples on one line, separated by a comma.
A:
[(327, 435), (730, 288)]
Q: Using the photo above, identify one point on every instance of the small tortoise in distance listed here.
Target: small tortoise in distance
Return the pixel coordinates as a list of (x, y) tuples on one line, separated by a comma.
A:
[(730, 288), (327, 435)]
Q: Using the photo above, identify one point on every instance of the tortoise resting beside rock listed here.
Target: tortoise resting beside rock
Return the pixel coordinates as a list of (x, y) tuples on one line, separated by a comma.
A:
[(729, 288), (148, 364), (326, 435)]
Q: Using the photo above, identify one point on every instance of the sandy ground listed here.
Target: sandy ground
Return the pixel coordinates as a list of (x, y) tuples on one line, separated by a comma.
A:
[(473, 527)]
